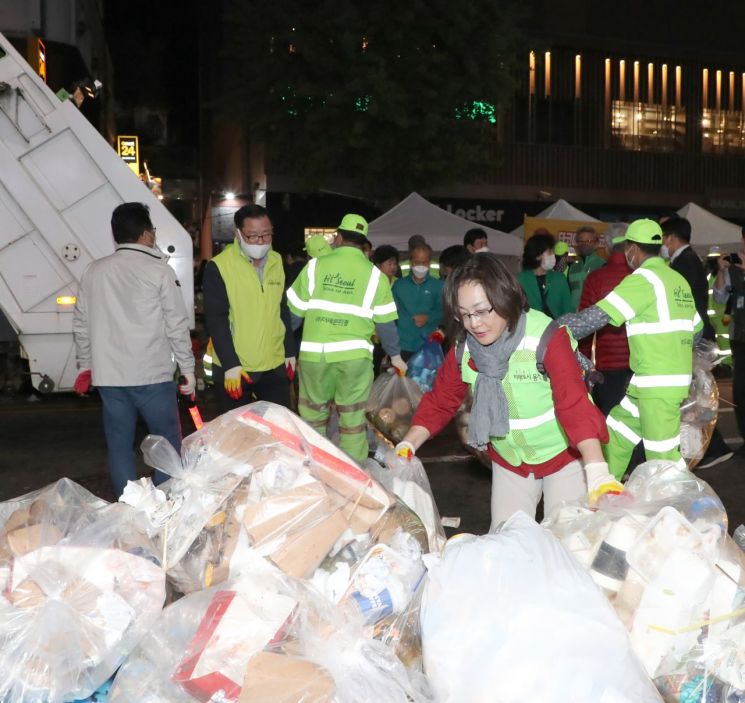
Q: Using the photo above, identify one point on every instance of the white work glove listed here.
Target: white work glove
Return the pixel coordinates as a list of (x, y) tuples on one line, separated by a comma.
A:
[(600, 481), (189, 384), (405, 450), (399, 364), (234, 382)]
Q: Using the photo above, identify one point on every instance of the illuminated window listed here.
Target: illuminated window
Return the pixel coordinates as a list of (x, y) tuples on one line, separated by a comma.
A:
[(328, 233), (647, 127), (722, 131)]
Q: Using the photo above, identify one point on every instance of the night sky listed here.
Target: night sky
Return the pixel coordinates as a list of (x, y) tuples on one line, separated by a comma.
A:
[(154, 50)]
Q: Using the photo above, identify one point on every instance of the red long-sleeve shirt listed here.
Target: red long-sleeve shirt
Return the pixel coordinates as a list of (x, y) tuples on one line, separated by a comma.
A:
[(579, 418), (611, 344)]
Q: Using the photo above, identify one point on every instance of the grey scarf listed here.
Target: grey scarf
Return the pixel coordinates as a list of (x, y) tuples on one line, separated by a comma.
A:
[(490, 415)]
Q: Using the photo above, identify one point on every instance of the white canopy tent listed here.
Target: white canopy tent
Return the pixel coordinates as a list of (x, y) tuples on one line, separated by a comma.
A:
[(707, 229), (560, 210), (416, 215)]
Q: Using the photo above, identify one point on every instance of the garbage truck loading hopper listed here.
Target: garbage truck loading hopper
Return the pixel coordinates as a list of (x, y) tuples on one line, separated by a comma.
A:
[(59, 182)]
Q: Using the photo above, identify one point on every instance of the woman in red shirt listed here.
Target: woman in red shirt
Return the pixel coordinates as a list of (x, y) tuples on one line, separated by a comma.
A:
[(542, 432)]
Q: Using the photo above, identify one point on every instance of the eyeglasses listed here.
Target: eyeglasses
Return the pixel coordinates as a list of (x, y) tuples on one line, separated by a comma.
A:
[(475, 316), (256, 237), (586, 241)]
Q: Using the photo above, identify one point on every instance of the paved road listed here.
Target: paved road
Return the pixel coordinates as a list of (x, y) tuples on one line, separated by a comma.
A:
[(61, 435)]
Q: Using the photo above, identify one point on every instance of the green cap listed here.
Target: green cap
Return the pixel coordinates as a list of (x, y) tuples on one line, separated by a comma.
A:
[(617, 240), (561, 248), (317, 246), (354, 223), (644, 232)]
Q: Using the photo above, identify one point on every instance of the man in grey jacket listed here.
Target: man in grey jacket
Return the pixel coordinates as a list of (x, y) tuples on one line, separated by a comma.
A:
[(131, 328)]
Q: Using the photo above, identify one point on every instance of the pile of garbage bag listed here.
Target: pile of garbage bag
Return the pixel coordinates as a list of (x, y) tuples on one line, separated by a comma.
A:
[(391, 405), (81, 585), (259, 503), (289, 573), (662, 555)]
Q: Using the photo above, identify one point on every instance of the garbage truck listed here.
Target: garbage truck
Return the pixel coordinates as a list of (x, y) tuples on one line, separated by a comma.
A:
[(60, 180)]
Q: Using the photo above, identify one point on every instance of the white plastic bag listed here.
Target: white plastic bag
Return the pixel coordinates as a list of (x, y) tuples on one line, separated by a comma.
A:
[(511, 618), (408, 480), (80, 584)]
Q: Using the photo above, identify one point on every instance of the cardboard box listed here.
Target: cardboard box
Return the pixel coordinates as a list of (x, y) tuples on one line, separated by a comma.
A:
[(26, 539), (235, 627), (286, 512), (276, 678), (302, 553)]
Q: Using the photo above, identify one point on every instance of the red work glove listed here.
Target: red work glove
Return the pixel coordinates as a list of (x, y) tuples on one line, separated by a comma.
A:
[(291, 365), (436, 336), (83, 382)]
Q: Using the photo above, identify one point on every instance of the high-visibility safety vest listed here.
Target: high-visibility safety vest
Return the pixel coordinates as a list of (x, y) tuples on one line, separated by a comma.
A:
[(255, 323), (341, 296), (720, 321), (535, 434), (434, 268), (656, 304)]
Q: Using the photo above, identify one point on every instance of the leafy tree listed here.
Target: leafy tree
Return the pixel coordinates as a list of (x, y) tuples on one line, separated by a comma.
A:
[(396, 95)]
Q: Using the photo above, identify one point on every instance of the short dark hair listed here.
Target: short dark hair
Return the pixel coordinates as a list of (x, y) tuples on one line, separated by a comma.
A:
[(648, 249), (534, 247), (353, 237), (423, 247), (129, 221), (454, 256), (678, 226), (384, 253), (502, 290), (414, 240), (249, 212), (473, 234)]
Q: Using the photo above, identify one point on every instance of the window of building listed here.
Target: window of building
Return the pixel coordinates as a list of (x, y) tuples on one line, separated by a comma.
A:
[(647, 127), (722, 131)]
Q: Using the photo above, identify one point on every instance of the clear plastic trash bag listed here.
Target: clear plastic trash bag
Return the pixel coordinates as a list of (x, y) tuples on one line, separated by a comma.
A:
[(511, 617), (662, 556), (81, 583), (391, 405), (424, 365)]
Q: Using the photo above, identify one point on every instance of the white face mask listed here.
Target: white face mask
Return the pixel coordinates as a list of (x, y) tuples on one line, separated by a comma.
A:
[(483, 250), (664, 252), (548, 261), (420, 271), (254, 251)]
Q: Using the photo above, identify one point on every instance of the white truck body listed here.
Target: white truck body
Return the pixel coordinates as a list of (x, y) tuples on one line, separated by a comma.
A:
[(59, 183)]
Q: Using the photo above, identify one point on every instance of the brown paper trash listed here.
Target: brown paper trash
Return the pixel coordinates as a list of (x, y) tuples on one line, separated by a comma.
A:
[(286, 512), (26, 539), (302, 553), (369, 495), (276, 678)]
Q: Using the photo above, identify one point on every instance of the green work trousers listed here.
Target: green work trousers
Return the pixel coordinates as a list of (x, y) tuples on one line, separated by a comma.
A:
[(653, 421), (345, 383)]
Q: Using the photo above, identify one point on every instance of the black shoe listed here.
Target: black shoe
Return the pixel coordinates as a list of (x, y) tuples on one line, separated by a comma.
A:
[(709, 461)]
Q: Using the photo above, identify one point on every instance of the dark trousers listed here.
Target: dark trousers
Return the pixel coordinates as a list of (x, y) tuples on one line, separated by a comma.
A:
[(272, 386), (611, 391), (738, 384), (157, 404)]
